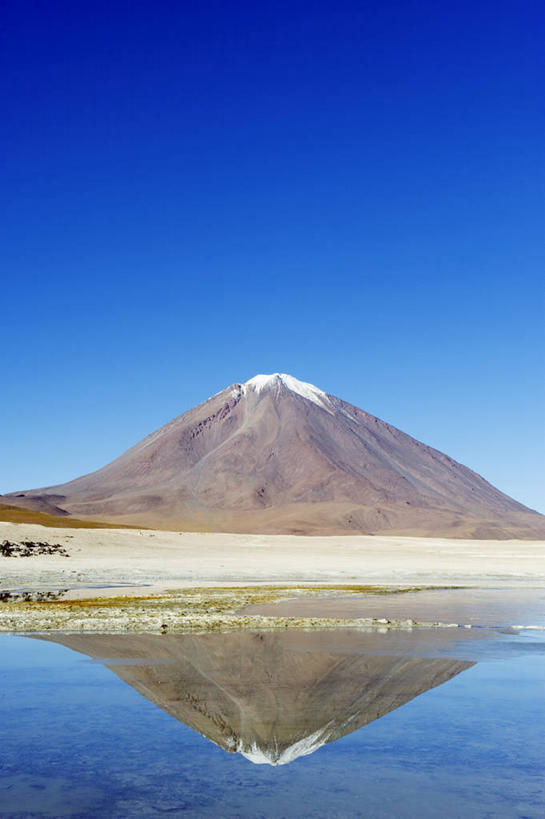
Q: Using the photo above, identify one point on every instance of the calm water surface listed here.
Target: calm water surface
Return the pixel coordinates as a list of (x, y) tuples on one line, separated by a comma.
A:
[(291, 724)]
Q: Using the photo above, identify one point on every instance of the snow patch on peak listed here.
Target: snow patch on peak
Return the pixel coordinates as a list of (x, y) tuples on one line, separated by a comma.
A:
[(270, 756), (263, 382)]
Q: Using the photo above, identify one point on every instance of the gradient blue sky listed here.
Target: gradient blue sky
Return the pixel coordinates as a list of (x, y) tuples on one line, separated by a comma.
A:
[(195, 192)]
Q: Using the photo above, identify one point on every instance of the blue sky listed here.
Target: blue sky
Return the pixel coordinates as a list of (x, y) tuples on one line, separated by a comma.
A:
[(195, 192)]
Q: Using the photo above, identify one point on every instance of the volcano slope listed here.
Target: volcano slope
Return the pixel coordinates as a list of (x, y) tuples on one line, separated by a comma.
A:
[(277, 455)]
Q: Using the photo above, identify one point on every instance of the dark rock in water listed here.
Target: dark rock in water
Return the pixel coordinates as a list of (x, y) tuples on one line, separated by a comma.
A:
[(31, 597)]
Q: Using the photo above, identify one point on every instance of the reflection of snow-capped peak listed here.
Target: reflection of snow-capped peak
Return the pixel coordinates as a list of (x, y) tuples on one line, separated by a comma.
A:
[(259, 383), (271, 756)]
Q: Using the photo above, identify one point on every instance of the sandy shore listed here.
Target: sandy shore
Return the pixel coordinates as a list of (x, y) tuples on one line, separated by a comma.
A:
[(177, 560), (105, 564)]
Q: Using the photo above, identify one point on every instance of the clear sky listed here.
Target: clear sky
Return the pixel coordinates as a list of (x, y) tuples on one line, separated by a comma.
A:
[(194, 192)]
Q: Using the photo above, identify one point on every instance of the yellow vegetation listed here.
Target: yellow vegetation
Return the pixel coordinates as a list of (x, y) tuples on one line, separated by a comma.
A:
[(17, 514)]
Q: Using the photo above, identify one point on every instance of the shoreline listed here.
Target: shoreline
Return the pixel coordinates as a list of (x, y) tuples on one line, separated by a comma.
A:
[(197, 609), (227, 609), (145, 580)]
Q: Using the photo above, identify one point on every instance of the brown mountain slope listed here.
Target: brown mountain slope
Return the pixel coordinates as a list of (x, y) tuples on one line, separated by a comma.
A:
[(277, 455), (270, 697)]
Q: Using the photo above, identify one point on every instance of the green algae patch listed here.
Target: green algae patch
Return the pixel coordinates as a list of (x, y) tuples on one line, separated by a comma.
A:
[(96, 602), (311, 587)]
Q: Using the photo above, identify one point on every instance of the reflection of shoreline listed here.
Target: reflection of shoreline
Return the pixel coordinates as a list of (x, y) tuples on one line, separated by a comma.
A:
[(272, 697)]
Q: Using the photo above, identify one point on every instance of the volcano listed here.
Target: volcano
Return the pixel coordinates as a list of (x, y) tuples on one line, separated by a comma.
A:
[(277, 455)]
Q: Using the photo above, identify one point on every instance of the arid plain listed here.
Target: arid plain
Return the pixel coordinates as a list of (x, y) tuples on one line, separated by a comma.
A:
[(152, 580)]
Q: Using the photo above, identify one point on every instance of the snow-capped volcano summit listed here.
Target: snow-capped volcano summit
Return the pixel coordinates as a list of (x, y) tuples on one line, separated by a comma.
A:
[(279, 455), (262, 383)]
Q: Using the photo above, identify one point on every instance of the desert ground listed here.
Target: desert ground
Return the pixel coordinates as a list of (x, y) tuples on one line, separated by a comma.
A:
[(150, 580)]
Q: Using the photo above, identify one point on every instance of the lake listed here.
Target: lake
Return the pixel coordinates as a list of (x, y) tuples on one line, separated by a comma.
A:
[(421, 723)]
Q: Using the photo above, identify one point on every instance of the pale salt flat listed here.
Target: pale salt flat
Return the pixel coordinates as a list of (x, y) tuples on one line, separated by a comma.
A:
[(134, 557)]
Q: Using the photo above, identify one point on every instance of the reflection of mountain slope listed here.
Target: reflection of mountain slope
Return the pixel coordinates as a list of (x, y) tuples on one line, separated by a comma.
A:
[(271, 697)]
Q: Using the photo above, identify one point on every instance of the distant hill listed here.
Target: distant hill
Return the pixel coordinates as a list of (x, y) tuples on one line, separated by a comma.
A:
[(278, 455), (18, 514)]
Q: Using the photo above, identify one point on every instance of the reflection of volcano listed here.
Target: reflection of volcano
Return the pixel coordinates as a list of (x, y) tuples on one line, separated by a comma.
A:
[(271, 697)]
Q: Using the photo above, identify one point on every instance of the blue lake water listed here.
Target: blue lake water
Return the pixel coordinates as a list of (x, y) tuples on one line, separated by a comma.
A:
[(306, 724)]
